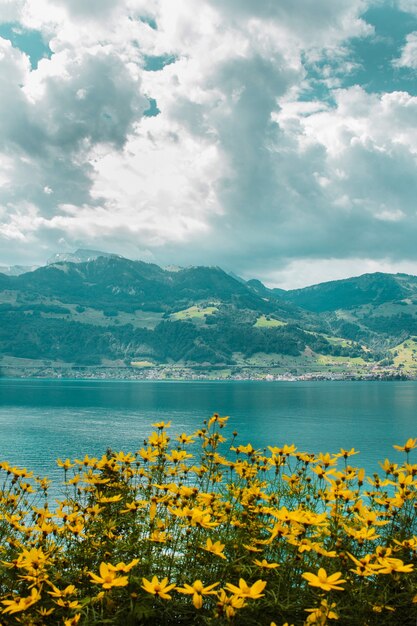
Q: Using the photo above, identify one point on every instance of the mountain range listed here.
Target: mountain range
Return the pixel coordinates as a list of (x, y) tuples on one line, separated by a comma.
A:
[(92, 308)]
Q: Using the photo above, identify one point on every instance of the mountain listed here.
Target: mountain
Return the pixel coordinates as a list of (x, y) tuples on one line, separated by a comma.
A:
[(374, 289), (378, 308), (16, 270), (113, 308), (79, 256), (110, 309), (131, 285)]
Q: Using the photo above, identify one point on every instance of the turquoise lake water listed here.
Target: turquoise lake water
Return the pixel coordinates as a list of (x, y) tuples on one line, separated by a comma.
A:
[(41, 420)]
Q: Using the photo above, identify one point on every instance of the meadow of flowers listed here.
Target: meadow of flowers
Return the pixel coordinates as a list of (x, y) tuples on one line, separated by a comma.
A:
[(196, 529)]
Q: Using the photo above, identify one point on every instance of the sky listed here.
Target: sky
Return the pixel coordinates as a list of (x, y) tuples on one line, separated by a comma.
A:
[(275, 139)]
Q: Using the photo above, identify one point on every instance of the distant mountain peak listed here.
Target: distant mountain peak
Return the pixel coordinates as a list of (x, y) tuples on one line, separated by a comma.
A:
[(82, 255), (16, 270), (172, 268)]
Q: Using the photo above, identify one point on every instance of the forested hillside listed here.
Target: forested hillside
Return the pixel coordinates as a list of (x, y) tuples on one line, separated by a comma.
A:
[(117, 310)]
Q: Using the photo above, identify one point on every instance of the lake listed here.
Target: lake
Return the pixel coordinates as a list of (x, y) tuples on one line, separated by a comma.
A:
[(41, 420)]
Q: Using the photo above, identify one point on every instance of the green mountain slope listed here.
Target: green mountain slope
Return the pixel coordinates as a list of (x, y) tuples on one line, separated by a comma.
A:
[(374, 289), (379, 309), (114, 309)]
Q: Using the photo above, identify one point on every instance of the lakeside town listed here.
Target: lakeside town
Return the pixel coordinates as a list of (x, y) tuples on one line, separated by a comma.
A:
[(184, 373)]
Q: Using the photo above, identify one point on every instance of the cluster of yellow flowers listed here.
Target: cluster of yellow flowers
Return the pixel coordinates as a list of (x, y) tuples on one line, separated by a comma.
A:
[(193, 530)]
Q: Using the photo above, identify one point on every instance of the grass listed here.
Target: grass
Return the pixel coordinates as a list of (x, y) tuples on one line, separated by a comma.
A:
[(138, 319), (194, 312), (268, 322), (325, 359), (405, 355), (338, 341), (142, 364)]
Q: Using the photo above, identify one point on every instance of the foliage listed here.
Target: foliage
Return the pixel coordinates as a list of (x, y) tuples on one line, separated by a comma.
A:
[(374, 288), (193, 530), (30, 335), (104, 302)]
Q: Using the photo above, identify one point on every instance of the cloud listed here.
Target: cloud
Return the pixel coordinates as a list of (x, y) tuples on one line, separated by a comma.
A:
[(51, 122), (304, 271), (11, 10), (246, 163), (314, 23), (408, 56), (408, 6), (94, 9)]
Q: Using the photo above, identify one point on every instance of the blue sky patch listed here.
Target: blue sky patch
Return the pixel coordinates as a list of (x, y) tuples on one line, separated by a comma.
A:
[(367, 61), (150, 21), (153, 110), (376, 55), (28, 41), (157, 63)]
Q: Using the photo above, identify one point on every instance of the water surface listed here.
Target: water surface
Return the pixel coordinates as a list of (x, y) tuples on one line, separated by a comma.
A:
[(41, 420)]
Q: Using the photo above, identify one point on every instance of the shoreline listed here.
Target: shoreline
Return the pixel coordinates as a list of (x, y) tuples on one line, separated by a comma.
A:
[(183, 373)]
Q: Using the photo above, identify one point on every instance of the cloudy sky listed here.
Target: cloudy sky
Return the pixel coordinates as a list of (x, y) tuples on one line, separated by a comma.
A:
[(276, 139)]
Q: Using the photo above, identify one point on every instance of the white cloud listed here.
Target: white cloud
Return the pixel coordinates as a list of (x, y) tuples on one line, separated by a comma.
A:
[(408, 56), (11, 10), (307, 271), (235, 170), (319, 23), (409, 6)]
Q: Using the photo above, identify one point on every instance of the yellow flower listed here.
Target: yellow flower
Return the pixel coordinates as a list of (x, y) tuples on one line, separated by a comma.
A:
[(244, 449), (122, 567), (327, 460), (228, 605), (73, 621), (410, 444), (346, 453), (323, 581), (371, 517), (244, 591), (57, 593), (378, 608), (321, 614), (363, 534), (65, 464), (390, 564), (178, 455), (45, 612), (108, 577), (158, 440), (159, 536), (21, 604), (161, 425), (183, 438), (250, 548), (364, 566), (148, 454), (158, 588), (124, 458), (215, 548), (264, 563), (106, 499), (87, 461), (411, 544), (197, 590), (195, 516), (221, 421), (68, 604), (34, 558), (388, 467)]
